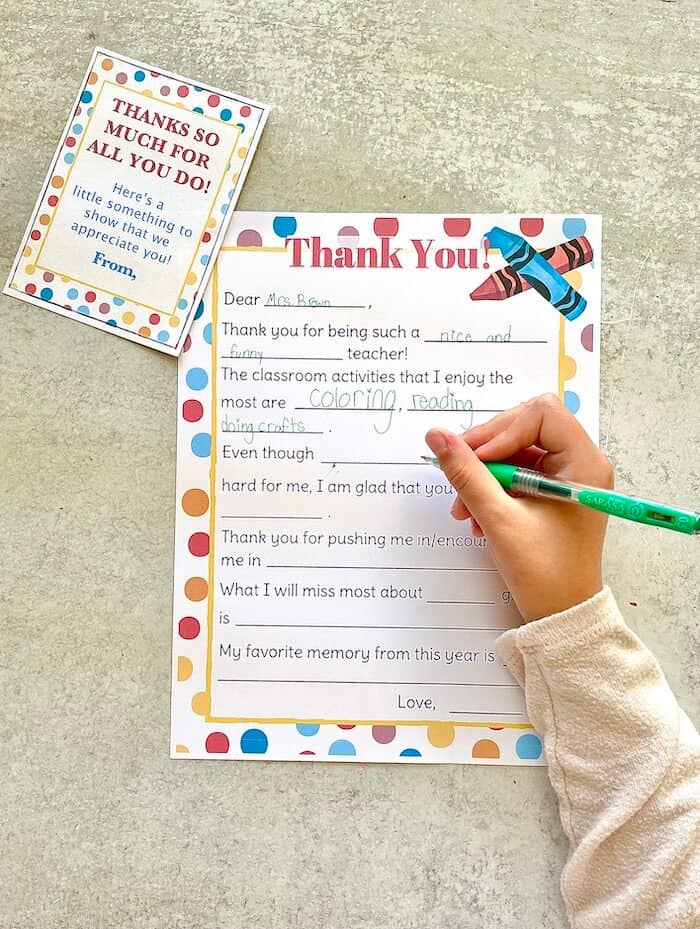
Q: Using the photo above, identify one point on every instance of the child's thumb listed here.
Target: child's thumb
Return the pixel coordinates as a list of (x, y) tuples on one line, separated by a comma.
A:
[(477, 487)]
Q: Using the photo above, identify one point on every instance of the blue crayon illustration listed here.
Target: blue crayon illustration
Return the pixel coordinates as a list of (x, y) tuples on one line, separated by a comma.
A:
[(538, 272)]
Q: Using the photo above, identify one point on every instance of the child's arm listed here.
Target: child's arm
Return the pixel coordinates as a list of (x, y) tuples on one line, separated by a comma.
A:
[(623, 758)]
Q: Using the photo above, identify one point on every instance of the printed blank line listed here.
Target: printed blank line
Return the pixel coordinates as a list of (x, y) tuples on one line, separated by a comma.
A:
[(429, 463), (355, 409), (335, 626), (326, 306), (486, 342), (368, 567), (265, 680), (483, 713), (466, 602), (267, 432), (282, 358), (433, 412), (270, 517)]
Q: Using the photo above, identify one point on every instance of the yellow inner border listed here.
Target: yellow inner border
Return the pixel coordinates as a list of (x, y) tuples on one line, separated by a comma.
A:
[(212, 528), (198, 245)]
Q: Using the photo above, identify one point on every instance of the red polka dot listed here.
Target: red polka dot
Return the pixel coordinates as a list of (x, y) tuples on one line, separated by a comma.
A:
[(182, 91), (245, 110), (36, 235), (154, 319), (307, 752), (164, 90), (532, 225), (70, 142), (48, 276), (188, 627), (30, 289), (206, 237), (456, 226), (346, 725), (104, 308), (199, 544), (121, 78), (53, 200), (155, 73), (386, 225), (217, 743), (383, 734), (192, 411), (213, 100), (187, 343), (90, 296)]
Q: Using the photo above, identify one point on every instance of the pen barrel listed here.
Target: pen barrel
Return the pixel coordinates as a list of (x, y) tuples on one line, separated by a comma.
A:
[(535, 484)]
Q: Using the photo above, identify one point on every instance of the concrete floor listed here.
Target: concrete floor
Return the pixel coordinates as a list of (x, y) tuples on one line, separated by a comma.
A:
[(377, 106)]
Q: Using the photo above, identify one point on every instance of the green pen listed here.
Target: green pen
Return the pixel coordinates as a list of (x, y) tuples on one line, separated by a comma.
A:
[(534, 484)]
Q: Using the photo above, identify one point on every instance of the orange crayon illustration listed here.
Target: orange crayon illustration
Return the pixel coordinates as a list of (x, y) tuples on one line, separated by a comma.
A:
[(507, 282)]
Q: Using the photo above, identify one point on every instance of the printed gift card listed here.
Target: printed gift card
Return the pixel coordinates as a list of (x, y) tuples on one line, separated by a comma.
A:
[(135, 204)]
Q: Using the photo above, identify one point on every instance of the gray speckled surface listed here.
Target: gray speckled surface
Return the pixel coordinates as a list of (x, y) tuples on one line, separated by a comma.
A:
[(403, 106)]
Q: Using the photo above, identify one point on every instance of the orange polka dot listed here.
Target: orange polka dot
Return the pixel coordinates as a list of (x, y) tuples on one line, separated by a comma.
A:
[(196, 588), (182, 750), (30, 269), (57, 182), (128, 317), (441, 734), (195, 502), (485, 748), (191, 278), (44, 219), (242, 152), (65, 279), (574, 278), (26, 252), (211, 222), (174, 321), (144, 331), (107, 64), (200, 703), (184, 668), (92, 78)]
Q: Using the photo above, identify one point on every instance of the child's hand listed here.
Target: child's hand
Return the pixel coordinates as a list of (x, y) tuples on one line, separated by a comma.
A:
[(548, 553)]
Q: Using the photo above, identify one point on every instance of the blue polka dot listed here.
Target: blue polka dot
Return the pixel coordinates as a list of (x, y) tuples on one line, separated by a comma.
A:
[(118, 301), (139, 76), (572, 401), (90, 109), (254, 742), (163, 336), (231, 193), (84, 310), (573, 226), (342, 747), (182, 304), (204, 259), (528, 747), (224, 207), (410, 753), (72, 293), (68, 158), (197, 109), (111, 322), (86, 97), (240, 126), (225, 115), (284, 226), (199, 310), (201, 445), (197, 378), (46, 293), (77, 129), (207, 333), (307, 729)]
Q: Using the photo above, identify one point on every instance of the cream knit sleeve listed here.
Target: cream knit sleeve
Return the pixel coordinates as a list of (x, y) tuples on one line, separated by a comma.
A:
[(624, 760)]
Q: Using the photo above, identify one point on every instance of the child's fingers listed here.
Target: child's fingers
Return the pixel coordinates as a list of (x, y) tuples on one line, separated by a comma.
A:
[(478, 435), (459, 511), (545, 423)]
